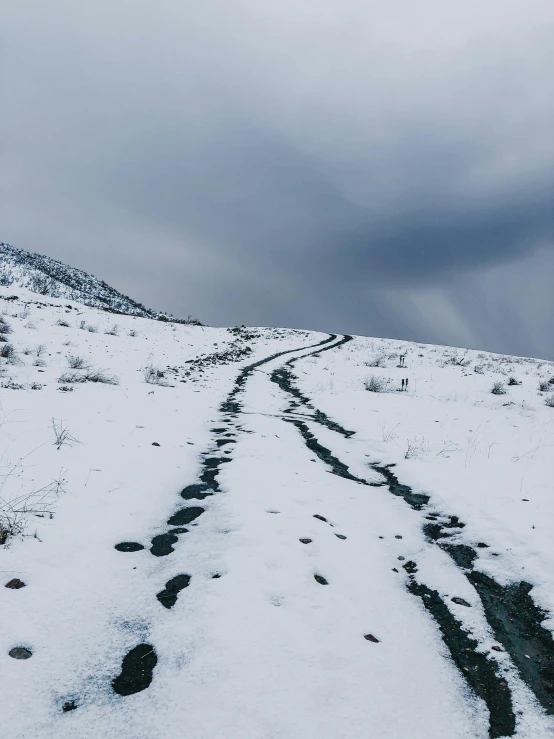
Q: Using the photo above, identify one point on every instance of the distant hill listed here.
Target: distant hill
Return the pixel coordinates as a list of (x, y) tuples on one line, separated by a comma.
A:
[(47, 276)]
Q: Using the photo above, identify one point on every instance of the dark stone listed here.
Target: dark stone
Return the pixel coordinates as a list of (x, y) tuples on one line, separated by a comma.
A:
[(321, 580), (168, 597), (371, 638), (69, 706), (155, 443), (179, 530), (397, 536), (136, 670), (321, 518), (15, 584), (305, 541), (461, 602), (340, 536), (129, 546), (216, 576), (410, 567), (20, 653)]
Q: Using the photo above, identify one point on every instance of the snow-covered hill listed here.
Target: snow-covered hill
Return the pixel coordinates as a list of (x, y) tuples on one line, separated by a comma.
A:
[(46, 276), (223, 534)]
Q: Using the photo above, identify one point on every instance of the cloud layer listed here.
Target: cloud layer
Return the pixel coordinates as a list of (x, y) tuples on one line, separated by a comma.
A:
[(377, 168)]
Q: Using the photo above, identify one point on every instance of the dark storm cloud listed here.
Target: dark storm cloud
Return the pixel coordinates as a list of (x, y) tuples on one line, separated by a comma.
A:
[(382, 170)]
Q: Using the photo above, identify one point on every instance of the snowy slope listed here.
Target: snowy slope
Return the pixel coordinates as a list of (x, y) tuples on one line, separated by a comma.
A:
[(286, 581), (46, 276)]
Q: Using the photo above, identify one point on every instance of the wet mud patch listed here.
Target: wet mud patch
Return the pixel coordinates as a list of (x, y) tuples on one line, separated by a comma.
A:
[(414, 500), (509, 610), (136, 670), (324, 454), (197, 491), (162, 545), (168, 596), (480, 672), (517, 624), (185, 516)]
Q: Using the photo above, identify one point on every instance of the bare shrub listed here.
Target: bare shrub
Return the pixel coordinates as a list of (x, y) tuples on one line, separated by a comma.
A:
[(389, 434), (458, 360), (513, 381), (75, 362), (498, 389), (92, 329), (99, 375), (549, 400), (375, 384), (14, 513), (415, 447), (377, 361), (113, 331), (9, 353), (72, 377), (132, 332), (153, 375), (544, 386), (62, 434), (63, 323), (66, 388), (5, 327)]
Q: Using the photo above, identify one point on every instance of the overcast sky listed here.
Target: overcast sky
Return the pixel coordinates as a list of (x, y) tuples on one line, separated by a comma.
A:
[(381, 168)]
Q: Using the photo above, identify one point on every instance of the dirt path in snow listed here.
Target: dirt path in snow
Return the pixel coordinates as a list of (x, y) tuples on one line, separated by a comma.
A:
[(513, 617), (139, 663)]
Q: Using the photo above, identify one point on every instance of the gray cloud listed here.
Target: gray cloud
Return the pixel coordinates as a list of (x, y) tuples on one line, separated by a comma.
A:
[(340, 166)]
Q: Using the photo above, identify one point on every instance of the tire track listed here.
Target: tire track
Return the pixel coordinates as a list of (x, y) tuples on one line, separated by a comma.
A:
[(510, 611), (138, 664)]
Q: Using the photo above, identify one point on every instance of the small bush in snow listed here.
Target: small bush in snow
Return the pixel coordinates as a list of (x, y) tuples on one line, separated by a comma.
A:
[(98, 375), (75, 362), (11, 385), (35, 386), (72, 377), (113, 331), (5, 327), (92, 329), (378, 361), (65, 324), (544, 386), (153, 376), (549, 401), (66, 388), (498, 389), (9, 353), (375, 384), (62, 435), (513, 381), (132, 332)]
